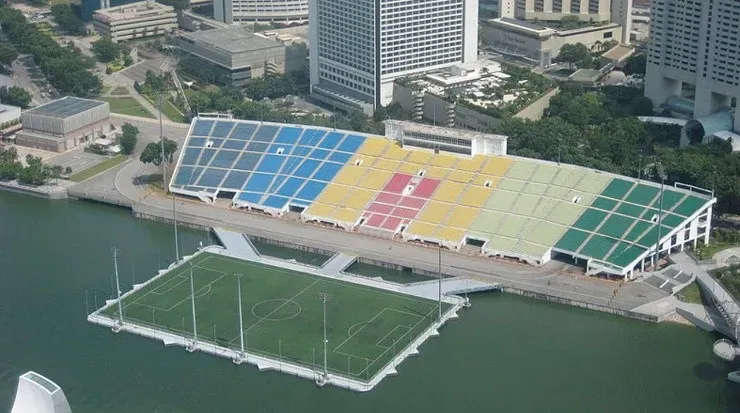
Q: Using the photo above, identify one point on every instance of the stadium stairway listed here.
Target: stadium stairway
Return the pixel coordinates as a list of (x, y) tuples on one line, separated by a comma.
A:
[(670, 280)]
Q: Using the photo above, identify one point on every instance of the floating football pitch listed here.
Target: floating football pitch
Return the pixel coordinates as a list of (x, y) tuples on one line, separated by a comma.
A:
[(282, 314)]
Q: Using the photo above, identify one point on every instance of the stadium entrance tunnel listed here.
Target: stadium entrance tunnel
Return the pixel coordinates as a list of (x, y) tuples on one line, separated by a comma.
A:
[(226, 195)]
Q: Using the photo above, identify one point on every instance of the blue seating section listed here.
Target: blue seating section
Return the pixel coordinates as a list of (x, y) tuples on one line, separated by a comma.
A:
[(264, 165)]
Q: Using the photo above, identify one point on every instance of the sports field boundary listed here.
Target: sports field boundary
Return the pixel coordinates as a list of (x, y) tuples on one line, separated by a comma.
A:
[(261, 358)]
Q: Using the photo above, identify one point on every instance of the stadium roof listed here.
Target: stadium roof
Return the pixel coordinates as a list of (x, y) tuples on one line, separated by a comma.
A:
[(514, 207), (65, 107)]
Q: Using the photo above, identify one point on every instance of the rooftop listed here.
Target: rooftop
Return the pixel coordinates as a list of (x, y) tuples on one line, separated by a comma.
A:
[(232, 40), (132, 11), (440, 131), (618, 53), (585, 75), (65, 107), (7, 108)]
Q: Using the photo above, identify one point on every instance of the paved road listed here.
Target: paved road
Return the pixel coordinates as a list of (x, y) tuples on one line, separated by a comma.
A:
[(24, 79)]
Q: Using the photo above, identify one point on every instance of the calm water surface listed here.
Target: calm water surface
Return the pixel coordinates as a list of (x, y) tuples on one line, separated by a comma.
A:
[(505, 354)]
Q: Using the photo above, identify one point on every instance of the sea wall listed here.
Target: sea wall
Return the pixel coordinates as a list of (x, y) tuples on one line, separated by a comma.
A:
[(292, 245), (582, 304), (46, 191)]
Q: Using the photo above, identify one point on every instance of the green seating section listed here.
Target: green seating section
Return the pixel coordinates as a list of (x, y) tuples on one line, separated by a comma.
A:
[(622, 222)]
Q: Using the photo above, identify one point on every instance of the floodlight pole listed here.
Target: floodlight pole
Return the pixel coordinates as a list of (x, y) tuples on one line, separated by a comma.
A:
[(192, 301), (118, 288), (241, 318), (661, 174), (164, 177), (324, 297), (439, 271)]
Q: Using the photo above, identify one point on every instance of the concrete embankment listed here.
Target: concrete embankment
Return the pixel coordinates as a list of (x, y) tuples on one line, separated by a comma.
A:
[(583, 304), (45, 191)]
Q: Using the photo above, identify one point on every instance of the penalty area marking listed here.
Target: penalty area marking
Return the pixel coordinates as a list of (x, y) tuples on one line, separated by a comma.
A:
[(198, 294)]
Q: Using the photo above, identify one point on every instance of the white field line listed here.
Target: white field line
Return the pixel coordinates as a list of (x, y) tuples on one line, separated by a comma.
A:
[(279, 307), (197, 294), (346, 284), (164, 275), (383, 353), (336, 349), (390, 332)]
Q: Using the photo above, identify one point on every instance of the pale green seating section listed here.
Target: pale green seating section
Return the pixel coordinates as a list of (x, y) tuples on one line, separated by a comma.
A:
[(532, 207)]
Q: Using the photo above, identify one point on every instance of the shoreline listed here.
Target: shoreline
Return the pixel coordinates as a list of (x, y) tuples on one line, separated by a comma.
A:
[(528, 289)]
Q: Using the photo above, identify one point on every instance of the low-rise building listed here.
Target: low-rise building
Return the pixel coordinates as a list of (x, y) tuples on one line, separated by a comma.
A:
[(135, 20), (468, 95), (539, 45), (10, 120), (234, 55), (64, 124)]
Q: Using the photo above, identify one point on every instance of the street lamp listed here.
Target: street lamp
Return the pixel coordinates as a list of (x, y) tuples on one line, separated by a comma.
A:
[(660, 171)]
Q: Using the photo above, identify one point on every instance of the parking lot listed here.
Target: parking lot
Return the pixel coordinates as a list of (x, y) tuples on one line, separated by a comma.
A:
[(77, 159)]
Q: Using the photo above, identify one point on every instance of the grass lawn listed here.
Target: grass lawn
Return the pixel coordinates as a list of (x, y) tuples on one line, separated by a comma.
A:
[(173, 113), (706, 252), (120, 90), (283, 316), (94, 170), (127, 106), (691, 293)]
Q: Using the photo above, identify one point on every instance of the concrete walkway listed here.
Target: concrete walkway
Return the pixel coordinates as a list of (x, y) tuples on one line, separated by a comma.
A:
[(238, 243), (456, 286), (553, 279), (724, 302), (337, 263), (727, 257)]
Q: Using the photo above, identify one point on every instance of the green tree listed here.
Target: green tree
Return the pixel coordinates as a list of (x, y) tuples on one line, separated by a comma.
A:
[(67, 20), (642, 106), (7, 55), (129, 137), (65, 67), (15, 95), (575, 55), (34, 173), (106, 50), (9, 164), (570, 21), (636, 64), (152, 152)]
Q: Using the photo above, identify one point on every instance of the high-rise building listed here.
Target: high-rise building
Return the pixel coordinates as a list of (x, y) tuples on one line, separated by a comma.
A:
[(696, 43), (587, 10), (229, 11), (614, 11), (359, 47)]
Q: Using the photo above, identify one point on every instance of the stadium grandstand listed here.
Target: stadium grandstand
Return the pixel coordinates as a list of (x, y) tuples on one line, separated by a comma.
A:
[(441, 186)]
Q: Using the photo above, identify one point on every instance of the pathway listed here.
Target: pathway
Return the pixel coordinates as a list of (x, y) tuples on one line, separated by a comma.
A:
[(337, 263), (238, 243), (729, 256), (724, 302)]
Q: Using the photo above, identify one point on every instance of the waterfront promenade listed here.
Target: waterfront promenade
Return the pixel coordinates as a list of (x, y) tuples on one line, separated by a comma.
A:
[(555, 281)]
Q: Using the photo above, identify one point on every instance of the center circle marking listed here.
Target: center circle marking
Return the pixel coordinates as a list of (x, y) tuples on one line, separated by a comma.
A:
[(268, 309)]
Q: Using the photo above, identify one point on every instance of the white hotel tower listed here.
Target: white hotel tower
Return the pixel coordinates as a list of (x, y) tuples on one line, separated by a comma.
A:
[(695, 42), (359, 47)]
